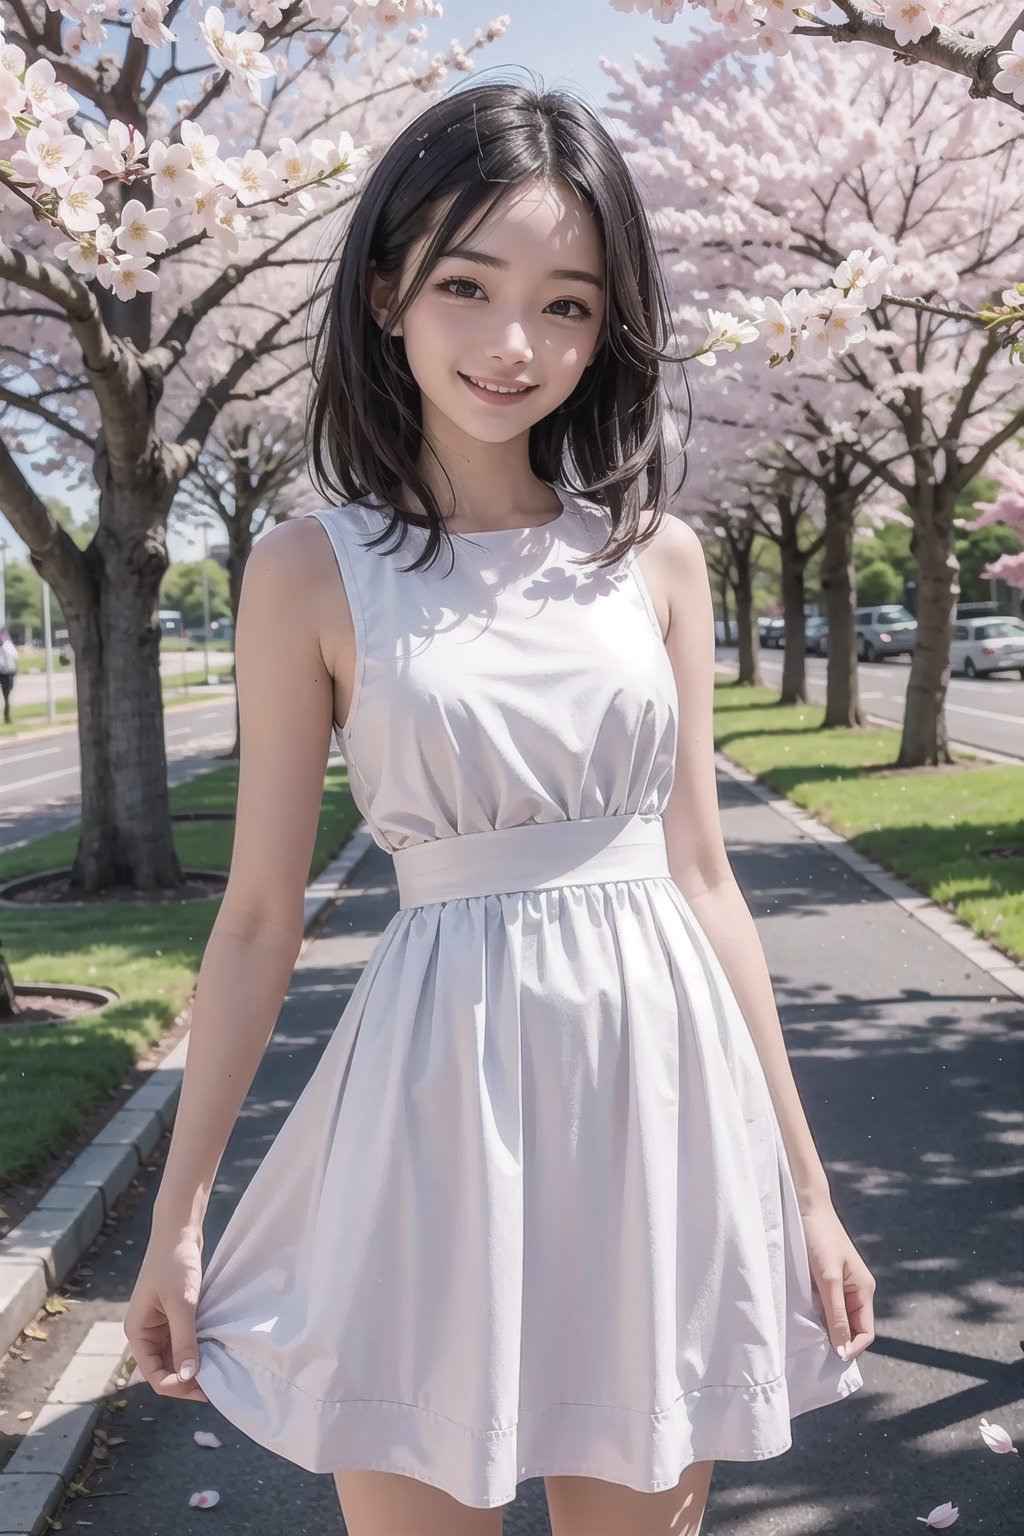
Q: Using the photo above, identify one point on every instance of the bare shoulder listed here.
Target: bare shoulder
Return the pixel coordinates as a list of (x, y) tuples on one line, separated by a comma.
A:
[(674, 567), (290, 549), (292, 569), (675, 540)]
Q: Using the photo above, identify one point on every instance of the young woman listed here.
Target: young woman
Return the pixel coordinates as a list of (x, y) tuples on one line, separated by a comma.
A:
[(549, 1204)]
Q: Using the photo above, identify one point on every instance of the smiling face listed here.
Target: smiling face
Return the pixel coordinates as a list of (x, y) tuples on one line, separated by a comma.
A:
[(507, 320)]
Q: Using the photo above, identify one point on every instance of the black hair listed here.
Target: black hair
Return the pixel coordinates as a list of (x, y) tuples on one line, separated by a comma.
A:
[(456, 160)]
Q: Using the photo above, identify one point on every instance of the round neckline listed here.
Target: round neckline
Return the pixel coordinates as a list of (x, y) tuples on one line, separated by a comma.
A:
[(500, 533)]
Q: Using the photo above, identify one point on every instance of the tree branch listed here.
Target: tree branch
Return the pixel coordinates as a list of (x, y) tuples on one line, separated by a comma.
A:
[(948, 49), (51, 547), (194, 432), (27, 404)]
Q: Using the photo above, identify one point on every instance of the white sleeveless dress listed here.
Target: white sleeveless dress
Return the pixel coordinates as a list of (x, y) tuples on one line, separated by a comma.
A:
[(532, 1213)]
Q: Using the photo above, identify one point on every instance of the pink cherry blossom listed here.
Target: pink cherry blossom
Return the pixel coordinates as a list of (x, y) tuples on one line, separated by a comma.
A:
[(49, 154), (129, 276), (83, 255), (941, 1516), (173, 175), (1007, 470), (994, 1435), (45, 94), (1010, 77), (12, 99), (80, 208), (140, 232), (205, 1500), (910, 20)]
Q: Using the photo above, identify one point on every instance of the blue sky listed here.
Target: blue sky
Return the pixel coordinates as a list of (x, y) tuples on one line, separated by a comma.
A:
[(561, 40)]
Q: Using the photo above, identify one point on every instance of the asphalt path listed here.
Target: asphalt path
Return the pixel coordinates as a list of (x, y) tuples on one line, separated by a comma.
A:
[(908, 1067), (40, 780), (986, 712)]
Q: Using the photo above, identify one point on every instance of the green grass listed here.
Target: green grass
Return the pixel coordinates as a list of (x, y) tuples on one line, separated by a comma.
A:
[(50, 1076), (937, 828)]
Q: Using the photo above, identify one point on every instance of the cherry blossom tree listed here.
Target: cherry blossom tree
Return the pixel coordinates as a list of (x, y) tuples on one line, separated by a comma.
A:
[(132, 249), (248, 477), (1008, 471), (915, 31), (728, 534), (764, 174), (753, 420)]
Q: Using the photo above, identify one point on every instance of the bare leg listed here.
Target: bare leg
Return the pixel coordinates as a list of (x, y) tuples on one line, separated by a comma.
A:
[(590, 1506), (390, 1504)]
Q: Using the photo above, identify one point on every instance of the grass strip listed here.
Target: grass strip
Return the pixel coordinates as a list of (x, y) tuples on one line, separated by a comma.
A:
[(150, 953), (955, 833), (31, 717)]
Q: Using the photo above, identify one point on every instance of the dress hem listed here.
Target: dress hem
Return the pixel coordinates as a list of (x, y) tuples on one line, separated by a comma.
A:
[(631, 1435)]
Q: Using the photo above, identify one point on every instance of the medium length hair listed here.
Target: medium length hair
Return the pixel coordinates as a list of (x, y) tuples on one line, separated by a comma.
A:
[(453, 164)]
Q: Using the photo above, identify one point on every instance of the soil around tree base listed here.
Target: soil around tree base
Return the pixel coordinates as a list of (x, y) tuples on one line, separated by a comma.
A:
[(36, 1004), (53, 888)]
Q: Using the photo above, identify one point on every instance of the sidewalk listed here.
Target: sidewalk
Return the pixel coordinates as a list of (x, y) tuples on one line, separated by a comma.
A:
[(903, 1051)]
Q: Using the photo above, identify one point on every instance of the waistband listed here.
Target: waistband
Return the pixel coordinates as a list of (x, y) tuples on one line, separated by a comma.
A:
[(533, 857)]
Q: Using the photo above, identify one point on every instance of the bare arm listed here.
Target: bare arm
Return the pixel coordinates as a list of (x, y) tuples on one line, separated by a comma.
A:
[(285, 708), (697, 855)]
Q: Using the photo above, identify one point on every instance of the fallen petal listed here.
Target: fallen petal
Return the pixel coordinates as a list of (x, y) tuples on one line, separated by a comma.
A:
[(206, 1437), (205, 1500), (941, 1516), (996, 1438)]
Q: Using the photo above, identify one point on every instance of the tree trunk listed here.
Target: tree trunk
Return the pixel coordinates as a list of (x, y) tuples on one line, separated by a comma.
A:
[(127, 834), (794, 670), (924, 740), (726, 624), (749, 641), (842, 695)]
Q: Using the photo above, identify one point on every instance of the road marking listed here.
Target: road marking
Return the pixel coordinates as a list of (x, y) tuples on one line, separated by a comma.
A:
[(964, 709), (40, 778), (26, 757), (986, 714)]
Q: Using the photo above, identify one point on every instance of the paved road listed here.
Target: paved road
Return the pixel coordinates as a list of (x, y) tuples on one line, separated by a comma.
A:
[(40, 782), (983, 712), (905, 1058)]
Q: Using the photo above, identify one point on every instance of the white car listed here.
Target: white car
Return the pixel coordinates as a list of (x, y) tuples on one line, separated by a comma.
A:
[(984, 645)]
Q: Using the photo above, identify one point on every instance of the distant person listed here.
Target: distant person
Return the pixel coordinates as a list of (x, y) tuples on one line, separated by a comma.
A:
[(8, 667)]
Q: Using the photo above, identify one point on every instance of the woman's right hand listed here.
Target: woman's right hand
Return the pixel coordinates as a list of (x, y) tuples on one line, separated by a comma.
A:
[(160, 1324)]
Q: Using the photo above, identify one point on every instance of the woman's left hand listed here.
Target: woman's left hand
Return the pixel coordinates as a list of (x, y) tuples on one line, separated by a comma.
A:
[(843, 1281)]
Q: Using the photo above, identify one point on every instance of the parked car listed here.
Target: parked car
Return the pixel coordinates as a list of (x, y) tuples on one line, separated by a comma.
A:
[(890, 630), (772, 631), (816, 634), (981, 646)]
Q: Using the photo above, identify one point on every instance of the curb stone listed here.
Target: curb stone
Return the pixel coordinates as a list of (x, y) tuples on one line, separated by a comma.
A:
[(42, 1249), (949, 928), (35, 1478)]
